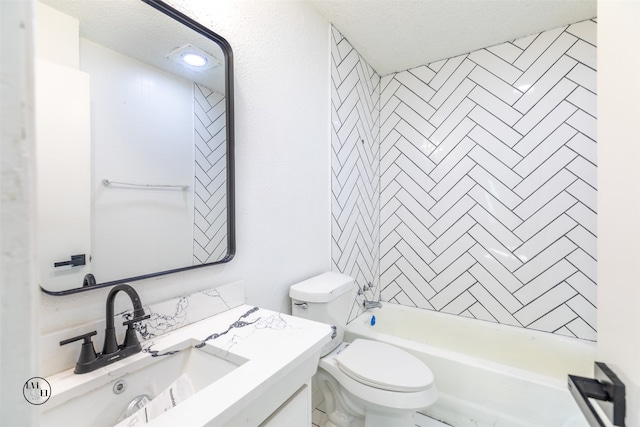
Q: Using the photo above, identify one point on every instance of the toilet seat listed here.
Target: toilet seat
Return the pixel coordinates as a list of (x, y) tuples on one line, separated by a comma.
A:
[(384, 366), (394, 400)]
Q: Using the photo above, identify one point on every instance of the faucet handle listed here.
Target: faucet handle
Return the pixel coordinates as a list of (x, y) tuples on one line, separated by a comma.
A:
[(86, 337), (130, 338), (87, 352), (130, 323)]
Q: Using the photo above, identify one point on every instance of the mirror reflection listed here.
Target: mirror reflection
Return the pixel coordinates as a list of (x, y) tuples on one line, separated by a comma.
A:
[(134, 137)]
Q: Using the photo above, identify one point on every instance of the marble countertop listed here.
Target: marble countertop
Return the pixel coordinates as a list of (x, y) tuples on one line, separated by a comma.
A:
[(269, 347)]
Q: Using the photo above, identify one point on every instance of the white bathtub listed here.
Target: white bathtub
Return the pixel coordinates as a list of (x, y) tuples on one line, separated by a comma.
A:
[(487, 374)]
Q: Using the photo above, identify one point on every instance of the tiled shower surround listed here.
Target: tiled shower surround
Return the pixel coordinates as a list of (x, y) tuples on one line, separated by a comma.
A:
[(487, 180), (210, 170), (355, 169)]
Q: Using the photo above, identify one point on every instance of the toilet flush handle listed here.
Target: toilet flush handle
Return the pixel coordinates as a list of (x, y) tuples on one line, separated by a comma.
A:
[(302, 305)]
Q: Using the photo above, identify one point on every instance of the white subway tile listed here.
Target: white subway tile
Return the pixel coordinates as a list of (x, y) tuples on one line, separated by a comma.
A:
[(495, 207), (495, 85), (461, 303), (497, 270), (495, 105), (585, 193), (491, 162), (535, 46), (544, 171), (496, 128), (545, 237), (461, 207), (553, 320), (415, 85), (491, 293), (584, 123), (546, 280), (451, 141), (543, 195), (545, 259), (549, 212), (452, 177), (452, 197), (492, 185), (452, 120), (449, 276), (585, 77), (452, 234), (453, 157), (452, 253), (585, 53), (424, 73), (585, 241), (495, 228), (452, 103), (549, 147), (506, 51), (585, 100), (581, 329), (584, 309), (495, 248), (548, 80), (545, 60), (586, 30), (454, 80), (444, 70), (495, 65), (585, 263), (587, 171), (547, 103)]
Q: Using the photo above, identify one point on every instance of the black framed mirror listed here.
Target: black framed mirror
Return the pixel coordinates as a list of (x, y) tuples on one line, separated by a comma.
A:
[(134, 143)]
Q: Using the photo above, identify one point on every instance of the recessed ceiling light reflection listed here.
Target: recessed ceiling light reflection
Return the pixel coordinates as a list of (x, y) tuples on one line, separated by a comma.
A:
[(194, 59)]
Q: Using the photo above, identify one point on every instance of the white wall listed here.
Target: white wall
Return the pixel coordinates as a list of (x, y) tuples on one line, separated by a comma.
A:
[(619, 195), (281, 52), (18, 307)]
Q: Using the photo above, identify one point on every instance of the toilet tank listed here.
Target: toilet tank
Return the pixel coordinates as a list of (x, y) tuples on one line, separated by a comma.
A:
[(326, 298)]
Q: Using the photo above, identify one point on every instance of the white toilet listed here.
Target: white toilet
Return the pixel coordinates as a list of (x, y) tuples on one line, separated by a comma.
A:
[(364, 383)]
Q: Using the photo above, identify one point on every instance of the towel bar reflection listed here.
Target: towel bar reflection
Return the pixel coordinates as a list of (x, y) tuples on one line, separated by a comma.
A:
[(108, 182)]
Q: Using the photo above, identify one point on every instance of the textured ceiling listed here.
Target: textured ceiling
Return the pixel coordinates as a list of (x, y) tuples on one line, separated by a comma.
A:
[(137, 30), (395, 35)]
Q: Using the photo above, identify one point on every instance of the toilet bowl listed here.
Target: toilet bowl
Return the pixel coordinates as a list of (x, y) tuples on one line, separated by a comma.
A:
[(364, 383), (374, 384)]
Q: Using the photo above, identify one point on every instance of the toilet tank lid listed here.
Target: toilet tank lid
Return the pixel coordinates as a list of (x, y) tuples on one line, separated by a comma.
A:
[(322, 288)]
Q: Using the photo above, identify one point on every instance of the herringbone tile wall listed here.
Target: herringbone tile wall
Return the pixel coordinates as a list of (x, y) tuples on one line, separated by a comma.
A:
[(210, 200), (355, 169), (487, 180), (488, 183)]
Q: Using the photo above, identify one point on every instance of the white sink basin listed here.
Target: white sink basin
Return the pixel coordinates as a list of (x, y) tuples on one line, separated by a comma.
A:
[(96, 399)]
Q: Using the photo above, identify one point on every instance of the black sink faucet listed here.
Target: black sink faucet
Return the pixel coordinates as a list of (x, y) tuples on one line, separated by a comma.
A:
[(131, 339), (89, 360)]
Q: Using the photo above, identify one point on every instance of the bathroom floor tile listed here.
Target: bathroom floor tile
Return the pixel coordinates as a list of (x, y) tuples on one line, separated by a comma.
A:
[(424, 421), (319, 417)]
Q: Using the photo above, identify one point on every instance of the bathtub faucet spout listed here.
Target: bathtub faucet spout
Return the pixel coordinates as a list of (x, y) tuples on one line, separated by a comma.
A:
[(371, 304)]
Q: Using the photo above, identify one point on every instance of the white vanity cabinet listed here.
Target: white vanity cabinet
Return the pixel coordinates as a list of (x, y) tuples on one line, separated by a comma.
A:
[(295, 412)]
